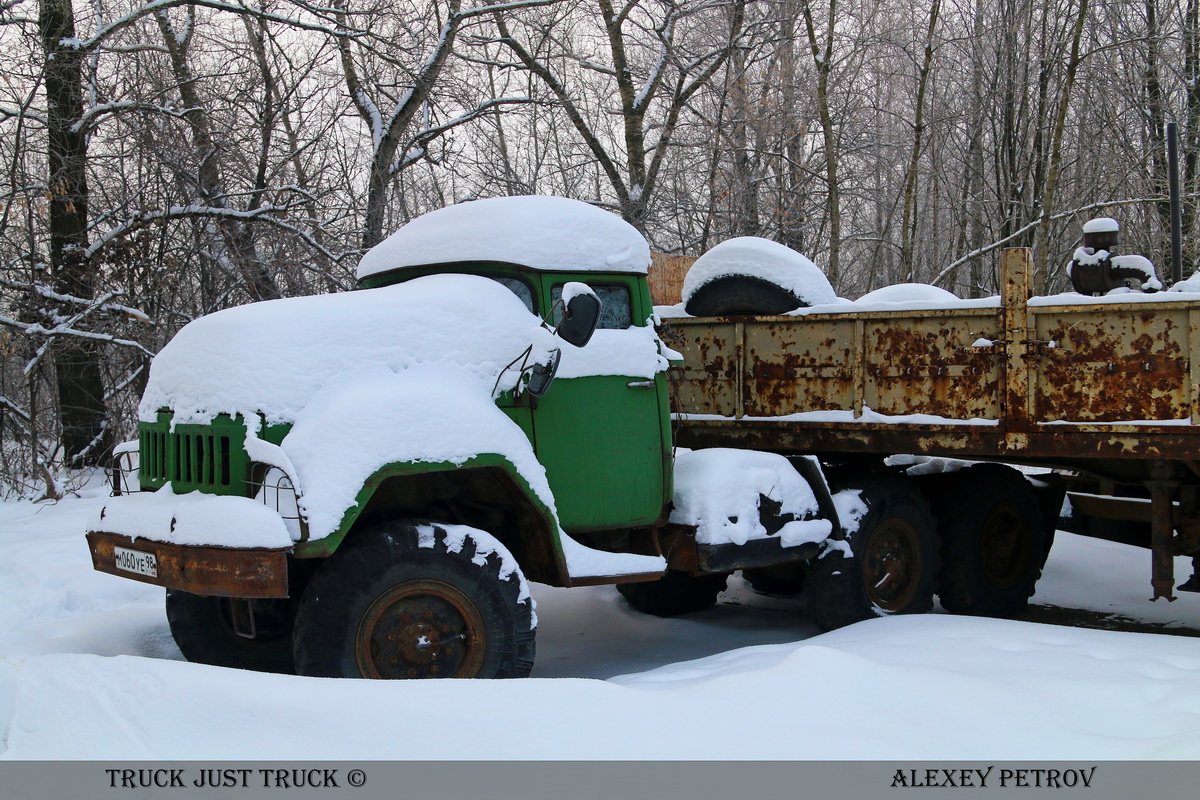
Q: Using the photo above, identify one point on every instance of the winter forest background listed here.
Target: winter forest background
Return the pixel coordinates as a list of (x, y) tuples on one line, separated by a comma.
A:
[(162, 160)]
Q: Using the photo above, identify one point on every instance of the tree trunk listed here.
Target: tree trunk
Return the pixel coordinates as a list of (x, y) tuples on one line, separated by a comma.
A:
[(78, 380)]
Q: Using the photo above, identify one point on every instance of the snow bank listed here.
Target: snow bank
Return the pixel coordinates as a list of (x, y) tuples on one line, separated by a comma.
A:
[(88, 670), (193, 519), (880, 300), (1191, 285), (717, 490), (274, 357), (922, 293), (551, 233), (1118, 295), (906, 688), (760, 258)]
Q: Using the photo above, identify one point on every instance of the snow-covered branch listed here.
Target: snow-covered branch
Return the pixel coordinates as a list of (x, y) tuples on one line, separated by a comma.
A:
[(64, 329), (155, 6), (416, 147), (92, 116), (50, 294), (263, 215)]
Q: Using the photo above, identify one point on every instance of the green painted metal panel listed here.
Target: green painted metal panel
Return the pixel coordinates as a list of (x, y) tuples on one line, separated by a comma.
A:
[(601, 438), (600, 443), (207, 458)]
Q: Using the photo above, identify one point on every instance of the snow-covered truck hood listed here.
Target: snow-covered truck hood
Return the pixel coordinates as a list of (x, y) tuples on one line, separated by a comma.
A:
[(272, 358)]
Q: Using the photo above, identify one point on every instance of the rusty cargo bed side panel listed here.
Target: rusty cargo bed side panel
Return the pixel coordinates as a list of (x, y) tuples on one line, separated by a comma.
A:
[(220, 571), (1071, 385)]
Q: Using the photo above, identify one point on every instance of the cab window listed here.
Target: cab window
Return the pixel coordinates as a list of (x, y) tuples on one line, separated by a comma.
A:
[(616, 313), (518, 287)]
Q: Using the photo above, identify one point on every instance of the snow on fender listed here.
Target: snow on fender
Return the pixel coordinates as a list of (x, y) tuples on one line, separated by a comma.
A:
[(718, 491)]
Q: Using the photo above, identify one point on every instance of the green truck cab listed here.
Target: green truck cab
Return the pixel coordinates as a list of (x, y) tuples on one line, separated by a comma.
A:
[(337, 486)]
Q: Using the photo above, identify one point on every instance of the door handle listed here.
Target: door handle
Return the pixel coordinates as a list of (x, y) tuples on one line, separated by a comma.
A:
[(640, 384)]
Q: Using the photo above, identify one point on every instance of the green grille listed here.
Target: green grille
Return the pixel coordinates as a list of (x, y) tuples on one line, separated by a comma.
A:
[(207, 458)]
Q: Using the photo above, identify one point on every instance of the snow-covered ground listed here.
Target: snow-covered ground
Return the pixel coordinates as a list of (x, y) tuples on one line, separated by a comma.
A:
[(88, 671)]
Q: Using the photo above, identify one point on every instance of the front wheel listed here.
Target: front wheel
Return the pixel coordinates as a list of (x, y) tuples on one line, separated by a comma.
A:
[(417, 601), (887, 565)]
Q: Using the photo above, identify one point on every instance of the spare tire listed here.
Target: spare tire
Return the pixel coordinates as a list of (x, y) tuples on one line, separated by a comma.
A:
[(727, 295)]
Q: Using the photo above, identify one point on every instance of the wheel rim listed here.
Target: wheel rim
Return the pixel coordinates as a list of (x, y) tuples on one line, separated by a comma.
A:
[(892, 565), (421, 629), (1004, 545)]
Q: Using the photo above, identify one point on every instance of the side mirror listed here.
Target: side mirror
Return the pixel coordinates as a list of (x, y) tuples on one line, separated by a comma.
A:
[(542, 375), (581, 314)]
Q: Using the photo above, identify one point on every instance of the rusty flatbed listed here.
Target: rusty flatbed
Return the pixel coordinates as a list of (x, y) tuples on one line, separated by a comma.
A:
[(1108, 389)]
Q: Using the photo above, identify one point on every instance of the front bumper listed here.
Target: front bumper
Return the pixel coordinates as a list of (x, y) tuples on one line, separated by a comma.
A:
[(221, 571)]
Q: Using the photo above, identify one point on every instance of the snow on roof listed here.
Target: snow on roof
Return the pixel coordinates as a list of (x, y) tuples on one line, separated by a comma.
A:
[(761, 258), (550, 233), (273, 357), (1101, 225), (909, 293)]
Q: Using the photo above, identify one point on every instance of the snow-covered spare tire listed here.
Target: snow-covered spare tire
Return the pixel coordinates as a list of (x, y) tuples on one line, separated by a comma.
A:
[(749, 275)]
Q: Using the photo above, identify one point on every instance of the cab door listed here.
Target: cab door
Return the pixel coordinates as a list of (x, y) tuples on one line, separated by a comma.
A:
[(602, 429)]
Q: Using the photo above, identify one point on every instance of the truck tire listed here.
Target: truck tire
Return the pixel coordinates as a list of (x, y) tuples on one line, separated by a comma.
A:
[(403, 600), (993, 542), (892, 567), (741, 294), (673, 594), (203, 629)]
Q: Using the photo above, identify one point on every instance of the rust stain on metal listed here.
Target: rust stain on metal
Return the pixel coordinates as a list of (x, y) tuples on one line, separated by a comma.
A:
[(219, 571), (1115, 364), (1070, 383)]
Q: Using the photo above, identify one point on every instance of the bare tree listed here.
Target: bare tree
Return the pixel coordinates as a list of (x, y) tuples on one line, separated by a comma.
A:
[(654, 58)]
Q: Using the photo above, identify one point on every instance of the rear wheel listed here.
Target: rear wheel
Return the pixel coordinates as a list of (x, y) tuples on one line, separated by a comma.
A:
[(993, 542), (673, 594), (417, 601), (892, 564), (205, 631)]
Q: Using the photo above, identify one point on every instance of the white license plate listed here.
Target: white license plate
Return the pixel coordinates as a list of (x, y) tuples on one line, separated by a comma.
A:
[(136, 561)]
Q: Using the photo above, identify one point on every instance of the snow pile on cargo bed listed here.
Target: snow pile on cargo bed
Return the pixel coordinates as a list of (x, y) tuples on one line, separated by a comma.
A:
[(720, 490), (551, 233), (918, 294)]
